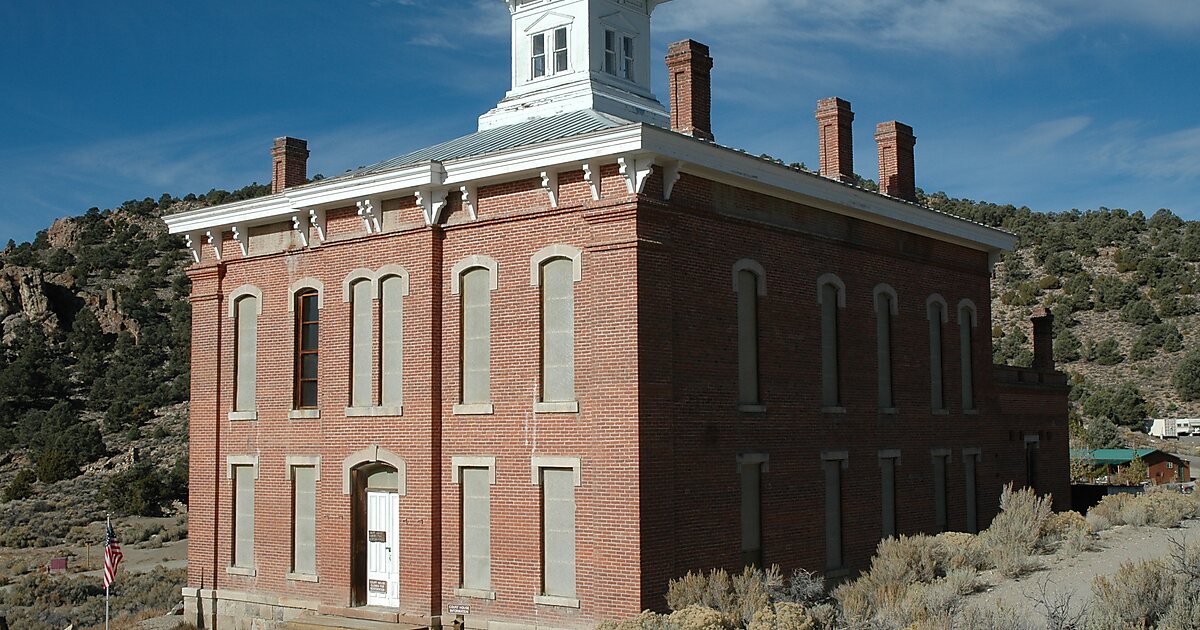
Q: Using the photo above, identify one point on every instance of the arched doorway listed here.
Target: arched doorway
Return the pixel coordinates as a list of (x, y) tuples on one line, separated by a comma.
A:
[(375, 481)]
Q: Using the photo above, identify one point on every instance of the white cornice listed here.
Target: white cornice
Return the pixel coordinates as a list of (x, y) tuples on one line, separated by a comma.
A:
[(631, 145)]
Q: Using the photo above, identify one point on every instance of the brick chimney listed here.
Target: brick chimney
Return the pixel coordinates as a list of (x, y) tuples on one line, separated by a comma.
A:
[(689, 67), (289, 163), (896, 168), (1043, 339), (834, 123)]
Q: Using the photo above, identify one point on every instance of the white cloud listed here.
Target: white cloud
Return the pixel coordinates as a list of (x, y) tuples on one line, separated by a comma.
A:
[(1049, 134)]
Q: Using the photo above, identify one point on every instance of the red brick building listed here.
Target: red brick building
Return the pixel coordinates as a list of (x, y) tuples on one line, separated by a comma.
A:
[(536, 372)]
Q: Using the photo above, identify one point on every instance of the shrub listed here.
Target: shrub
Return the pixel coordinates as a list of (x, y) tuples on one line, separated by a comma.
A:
[(1017, 529), (783, 616), (21, 487), (1108, 352), (1187, 377), (645, 621), (1136, 595), (960, 550), (700, 618)]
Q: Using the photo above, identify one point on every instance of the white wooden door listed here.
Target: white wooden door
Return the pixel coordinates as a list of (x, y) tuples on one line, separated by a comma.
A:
[(383, 549)]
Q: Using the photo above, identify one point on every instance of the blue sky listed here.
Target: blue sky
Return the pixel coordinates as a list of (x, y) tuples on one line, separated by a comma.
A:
[(1054, 104)]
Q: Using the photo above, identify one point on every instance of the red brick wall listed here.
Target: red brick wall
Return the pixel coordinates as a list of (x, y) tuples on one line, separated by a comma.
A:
[(658, 431)]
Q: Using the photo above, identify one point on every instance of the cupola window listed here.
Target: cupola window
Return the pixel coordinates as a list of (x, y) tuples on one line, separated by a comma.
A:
[(618, 54), (554, 44)]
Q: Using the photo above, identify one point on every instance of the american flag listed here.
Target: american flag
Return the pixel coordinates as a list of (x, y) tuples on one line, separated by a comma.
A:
[(112, 556)]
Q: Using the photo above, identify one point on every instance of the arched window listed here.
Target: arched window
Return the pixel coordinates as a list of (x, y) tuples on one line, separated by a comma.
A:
[(831, 295), (246, 306), (307, 309), (935, 310), (886, 308), (392, 289), (966, 341), (361, 342), (749, 281), (555, 270), (474, 279)]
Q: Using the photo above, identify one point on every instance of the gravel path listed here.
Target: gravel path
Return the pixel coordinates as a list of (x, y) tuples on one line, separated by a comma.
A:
[(1072, 576)]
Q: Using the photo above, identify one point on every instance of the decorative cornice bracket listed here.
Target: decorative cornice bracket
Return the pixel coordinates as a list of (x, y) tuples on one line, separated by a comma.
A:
[(469, 194), (300, 223), (591, 175), (550, 185), (194, 245), (316, 218), (242, 236), (214, 242), (369, 210), (636, 171), (433, 204), (671, 172)]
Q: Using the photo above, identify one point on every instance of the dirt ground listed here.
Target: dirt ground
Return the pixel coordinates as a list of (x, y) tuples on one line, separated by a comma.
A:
[(1072, 577), (88, 561)]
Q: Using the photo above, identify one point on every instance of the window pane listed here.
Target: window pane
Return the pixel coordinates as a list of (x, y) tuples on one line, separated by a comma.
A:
[(247, 353), (628, 60), (539, 44), (304, 548), (965, 359), (243, 516), (361, 350), (393, 340), (308, 394), (883, 347), (308, 366), (558, 331), (937, 398), (833, 514), (476, 336), (752, 514), (308, 308), (539, 66), (477, 532), (558, 531), (308, 336), (560, 39), (830, 394), (747, 321), (560, 61)]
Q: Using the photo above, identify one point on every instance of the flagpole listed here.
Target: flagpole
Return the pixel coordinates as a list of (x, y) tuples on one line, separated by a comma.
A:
[(107, 526)]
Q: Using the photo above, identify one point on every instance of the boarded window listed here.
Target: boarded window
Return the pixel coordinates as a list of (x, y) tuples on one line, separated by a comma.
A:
[(833, 513), (392, 357), (887, 507), (558, 331), (307, 329), (1031, 465), (747, 319), (941, 512), (883, 348), (360, 345), (243, 516), (558, 532), (247, 353), (476, 529), (970, 463), (476, 336), (304, 520), (830, 394), (936, 396), (751, 473), (965, 357)]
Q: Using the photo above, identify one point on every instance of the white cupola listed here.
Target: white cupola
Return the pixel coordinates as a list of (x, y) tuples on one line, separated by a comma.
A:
[(570, 55)]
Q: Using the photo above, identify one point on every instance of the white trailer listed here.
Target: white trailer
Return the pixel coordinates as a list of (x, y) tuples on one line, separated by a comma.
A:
[(1184, 426), (1164, 428)]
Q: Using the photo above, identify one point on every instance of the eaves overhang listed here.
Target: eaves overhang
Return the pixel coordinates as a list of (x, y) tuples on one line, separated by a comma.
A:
[(636, 147)]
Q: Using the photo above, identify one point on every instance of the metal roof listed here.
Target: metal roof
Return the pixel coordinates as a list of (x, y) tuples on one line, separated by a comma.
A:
[(1110, 456), (508, 137)]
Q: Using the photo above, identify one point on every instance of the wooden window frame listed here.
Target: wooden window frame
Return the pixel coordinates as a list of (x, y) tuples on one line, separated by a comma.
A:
[(298, 380)]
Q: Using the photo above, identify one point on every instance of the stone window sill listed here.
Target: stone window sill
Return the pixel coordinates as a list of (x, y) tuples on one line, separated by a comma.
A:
[(242, 416), (246, 571), (374, 412), (474, 409), (554, 600), (556, 407), (889, 411), (475, 593), (304, 414), (752, 408), (941, 412), (302, 577), (838, 410)]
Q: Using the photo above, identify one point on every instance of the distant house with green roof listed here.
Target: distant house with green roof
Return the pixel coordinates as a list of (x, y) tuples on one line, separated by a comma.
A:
[(1162, 467)]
